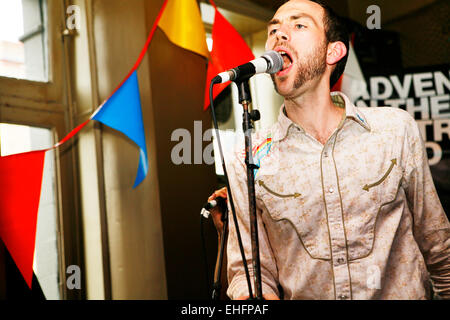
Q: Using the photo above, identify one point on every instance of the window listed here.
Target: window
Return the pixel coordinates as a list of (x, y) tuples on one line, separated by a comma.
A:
[(23, 40), (41, 108)]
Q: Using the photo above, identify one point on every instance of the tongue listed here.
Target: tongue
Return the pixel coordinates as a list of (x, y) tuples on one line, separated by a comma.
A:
[(287, 62)]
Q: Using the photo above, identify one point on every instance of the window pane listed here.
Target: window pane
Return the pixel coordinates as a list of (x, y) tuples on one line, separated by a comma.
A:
[(15, 139), (23, 41)]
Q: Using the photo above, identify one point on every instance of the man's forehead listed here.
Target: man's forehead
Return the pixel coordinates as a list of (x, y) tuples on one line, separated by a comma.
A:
[(299, 7)]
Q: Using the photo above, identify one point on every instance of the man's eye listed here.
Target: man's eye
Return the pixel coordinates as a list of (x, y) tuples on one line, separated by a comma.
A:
[(273, 31), (299, 26)]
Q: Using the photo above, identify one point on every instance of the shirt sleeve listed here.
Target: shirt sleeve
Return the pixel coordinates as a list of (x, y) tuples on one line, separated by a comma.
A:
[(237, 281), (431, 225)]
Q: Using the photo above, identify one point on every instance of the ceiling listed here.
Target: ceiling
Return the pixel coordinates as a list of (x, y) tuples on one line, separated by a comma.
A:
[(244, 24), (340, 6), (249, 16), (272, 5), (354, 9), (343, 6)]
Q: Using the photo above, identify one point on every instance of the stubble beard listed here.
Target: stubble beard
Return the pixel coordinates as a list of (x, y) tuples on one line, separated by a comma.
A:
[(311, 68)]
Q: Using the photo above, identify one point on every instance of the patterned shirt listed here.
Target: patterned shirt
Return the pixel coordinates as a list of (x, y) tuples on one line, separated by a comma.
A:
[(356, 218)]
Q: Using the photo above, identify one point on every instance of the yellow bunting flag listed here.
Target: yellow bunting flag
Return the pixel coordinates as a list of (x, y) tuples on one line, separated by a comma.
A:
[(182, 24)]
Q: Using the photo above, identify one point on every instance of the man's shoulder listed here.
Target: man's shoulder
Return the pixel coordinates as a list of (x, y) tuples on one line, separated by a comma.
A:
[(382, 118)]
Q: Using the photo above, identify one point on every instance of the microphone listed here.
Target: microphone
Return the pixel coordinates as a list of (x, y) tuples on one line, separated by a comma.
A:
[(270, 62), (217, 202)]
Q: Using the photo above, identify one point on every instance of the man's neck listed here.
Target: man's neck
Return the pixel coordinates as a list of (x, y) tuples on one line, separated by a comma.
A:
[(315, 112)]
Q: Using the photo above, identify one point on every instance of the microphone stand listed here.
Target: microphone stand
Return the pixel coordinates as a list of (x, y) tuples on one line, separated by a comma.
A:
[(245, 99)]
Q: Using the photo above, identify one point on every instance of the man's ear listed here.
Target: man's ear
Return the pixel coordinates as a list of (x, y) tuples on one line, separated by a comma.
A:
[(336, 51)]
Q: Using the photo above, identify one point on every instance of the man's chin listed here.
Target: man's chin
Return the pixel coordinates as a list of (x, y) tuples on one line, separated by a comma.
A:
[(283, 87)]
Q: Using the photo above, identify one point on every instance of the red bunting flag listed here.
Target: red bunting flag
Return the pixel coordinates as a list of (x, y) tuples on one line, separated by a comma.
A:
[(20, 190), (20, 186), (229, 50)]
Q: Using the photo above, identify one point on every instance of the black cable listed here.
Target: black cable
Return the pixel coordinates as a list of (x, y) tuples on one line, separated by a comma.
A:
[(205, 256), (230, 197)]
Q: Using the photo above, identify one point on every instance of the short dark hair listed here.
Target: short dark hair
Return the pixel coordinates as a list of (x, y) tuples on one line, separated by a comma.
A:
[(335, 30)]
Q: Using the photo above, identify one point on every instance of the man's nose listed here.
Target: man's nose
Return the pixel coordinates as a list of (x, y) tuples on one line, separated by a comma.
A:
[(282, 35)]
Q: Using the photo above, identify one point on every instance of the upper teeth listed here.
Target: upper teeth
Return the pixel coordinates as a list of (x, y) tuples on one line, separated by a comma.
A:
[(285, 54)]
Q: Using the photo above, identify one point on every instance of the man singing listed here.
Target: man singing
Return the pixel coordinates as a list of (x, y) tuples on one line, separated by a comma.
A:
[(346, 205)]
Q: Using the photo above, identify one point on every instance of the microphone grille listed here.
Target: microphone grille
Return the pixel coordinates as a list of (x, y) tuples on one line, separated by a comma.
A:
[(275, 61)]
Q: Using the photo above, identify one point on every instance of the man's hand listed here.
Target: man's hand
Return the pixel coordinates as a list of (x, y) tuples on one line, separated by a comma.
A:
[(218, 223), (215, 212)]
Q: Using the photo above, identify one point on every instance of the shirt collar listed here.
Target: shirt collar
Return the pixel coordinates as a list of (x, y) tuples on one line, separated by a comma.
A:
[(283, 125), (351, 111)]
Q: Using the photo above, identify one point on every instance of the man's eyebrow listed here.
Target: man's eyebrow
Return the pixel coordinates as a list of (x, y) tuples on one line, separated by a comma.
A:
[(293, 17), (303, 15), (272, 22)]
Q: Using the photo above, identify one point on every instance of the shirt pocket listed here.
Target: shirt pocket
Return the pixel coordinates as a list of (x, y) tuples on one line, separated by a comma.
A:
[(376, 198), (288, 200)]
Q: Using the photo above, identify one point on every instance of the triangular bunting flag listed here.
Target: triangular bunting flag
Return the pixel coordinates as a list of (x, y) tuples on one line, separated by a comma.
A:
[(229, 51), (123, 112), (182, 23), (20, 190)]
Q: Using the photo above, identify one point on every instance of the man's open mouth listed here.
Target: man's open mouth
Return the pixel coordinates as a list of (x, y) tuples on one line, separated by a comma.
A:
[(287, 60)]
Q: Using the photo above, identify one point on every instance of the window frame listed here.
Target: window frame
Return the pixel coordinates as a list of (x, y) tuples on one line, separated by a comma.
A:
[(46, 105)]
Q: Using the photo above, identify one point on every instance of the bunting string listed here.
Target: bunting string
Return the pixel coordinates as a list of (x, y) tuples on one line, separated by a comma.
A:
[(21, 174)]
